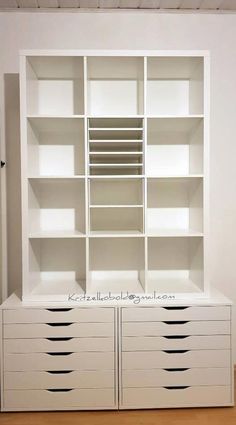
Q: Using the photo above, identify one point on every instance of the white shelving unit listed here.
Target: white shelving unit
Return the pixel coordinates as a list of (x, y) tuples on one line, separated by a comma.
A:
[(114, 172)]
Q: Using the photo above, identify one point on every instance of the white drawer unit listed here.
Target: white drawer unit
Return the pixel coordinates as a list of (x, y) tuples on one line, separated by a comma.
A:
[(59, 358), (175, 356)]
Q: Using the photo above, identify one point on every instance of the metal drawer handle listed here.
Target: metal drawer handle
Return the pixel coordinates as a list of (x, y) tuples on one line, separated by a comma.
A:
[(175, 351), (175, 308), (59, 390), (181, 369), (59, 338), (57, 372), (176, 388), (179, 322), (54, 310), (65, 353), (176, 336), (60, 324)]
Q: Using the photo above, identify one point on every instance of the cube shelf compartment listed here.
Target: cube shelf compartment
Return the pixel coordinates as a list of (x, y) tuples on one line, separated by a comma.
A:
[(174, 146), (175, 206), (55, 147), (116, 264), (57, 267), (114, 173), (175, 85), (55, 85), (113, 79), (114, 146), (175, 265), (56, 207)]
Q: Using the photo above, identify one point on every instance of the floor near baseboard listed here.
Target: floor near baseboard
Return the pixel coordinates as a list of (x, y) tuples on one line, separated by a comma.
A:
[(199, 416)]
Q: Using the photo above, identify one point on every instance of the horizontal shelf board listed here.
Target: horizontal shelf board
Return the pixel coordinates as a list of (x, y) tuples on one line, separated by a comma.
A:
[(115, 286), (55, 116), (57, 177), (175, 176), (172, 285), (116, 206), (115, 153), (176, 116), (115, 129), (116, 233), (119, 176), (56, 234), (57, 287), (116, 165), (128, 141), (173, 233), (115, 116)]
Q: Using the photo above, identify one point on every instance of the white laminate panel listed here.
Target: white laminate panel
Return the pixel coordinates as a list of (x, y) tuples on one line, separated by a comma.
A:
[(172, 377), (195, 342), (44, 345), (56, 361), (38, 330), (186, 359), (175, 328), (57, 315), (67, 379), (44, 399), (149, 314), (138, 398)]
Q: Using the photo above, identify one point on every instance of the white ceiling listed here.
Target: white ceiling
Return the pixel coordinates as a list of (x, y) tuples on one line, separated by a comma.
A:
[(158, 5)]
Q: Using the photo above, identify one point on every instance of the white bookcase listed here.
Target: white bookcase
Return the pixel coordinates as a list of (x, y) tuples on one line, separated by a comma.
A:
[(114, 172)]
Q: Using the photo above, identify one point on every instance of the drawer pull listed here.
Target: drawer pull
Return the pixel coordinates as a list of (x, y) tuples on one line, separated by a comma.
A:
[(67, 338), (176, 388), (59, 390), (65, 353), (59, 324), (176, 336), (58, 309), (180, 369), (175, 308), (175, 351), (179, 322), (57, 372)]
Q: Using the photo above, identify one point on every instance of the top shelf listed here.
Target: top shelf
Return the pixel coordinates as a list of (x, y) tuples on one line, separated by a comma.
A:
[(64, 86)]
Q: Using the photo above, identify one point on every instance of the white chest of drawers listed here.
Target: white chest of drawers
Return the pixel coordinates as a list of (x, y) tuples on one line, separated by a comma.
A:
[(175, 354)]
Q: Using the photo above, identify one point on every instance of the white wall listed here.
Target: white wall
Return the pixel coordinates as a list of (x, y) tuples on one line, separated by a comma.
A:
[(132, 30)]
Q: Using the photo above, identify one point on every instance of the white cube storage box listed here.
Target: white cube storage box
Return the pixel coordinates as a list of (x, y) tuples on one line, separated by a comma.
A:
[(116, 309)]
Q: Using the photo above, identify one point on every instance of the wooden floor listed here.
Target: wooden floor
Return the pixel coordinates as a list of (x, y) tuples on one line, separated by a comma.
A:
[(206, 416)]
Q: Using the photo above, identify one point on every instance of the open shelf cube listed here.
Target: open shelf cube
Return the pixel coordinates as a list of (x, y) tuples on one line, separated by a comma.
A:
[(55, 85), (57, 268), (175, 265), (56, 207), (175, 206), (113, 79), (116, 220), (55, 147), (174, 146), (116, 264), (175, 85), (116, 192)]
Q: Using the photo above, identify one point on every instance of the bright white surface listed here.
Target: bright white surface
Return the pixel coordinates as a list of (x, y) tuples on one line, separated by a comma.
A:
[(129, 31)]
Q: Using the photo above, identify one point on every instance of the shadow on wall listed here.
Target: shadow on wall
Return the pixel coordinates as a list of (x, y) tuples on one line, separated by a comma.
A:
[(12, 134)]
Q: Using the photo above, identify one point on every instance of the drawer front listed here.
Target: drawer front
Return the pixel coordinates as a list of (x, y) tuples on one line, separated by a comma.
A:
[(162, 359), (68, 379), (176, 377), (59, 361), (176, 328), (152, 314), (150, 343), (35, 315), (138, 398), (48, 330), (44, 345), (58, 400)]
